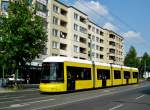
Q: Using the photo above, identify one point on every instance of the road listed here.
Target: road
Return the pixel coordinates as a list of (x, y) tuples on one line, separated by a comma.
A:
[(132, 97)]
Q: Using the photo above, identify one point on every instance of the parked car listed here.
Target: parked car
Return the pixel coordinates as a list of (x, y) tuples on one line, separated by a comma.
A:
[(12, 79)]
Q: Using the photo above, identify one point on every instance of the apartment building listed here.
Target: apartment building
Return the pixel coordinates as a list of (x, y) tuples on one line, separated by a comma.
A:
[(77, 33), (72, 34), (96, 43), (67, 31), (41, 4), (57, 44), (115, 48)]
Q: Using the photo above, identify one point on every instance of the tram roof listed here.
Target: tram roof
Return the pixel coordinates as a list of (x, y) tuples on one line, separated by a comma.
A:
[(63, 59), (69, 59), (102, 64)]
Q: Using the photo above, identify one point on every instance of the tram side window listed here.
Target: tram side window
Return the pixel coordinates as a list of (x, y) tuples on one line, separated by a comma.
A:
[(135, 74), (79, 73), (117, 74), (103, 74), (126, 74)]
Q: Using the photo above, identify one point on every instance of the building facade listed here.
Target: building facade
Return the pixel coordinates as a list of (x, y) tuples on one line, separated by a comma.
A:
[(72, 34)]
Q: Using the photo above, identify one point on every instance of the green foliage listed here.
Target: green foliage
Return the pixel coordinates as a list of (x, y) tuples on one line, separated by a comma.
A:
[(131, 58), (145, 62), (23, 36)]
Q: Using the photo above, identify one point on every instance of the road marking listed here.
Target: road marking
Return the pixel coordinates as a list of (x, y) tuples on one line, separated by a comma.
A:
[(118, 106), (88, 98), (25, 104), (25, 99), (106, 90), (12, 97), (139, 97)]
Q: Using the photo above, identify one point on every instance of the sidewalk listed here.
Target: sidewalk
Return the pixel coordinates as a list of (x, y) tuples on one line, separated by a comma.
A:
[(5, 90), (24, 87)]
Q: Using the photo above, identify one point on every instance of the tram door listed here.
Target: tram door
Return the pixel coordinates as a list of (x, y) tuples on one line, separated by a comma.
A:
[(104, 80), (104, 75), (70, 82), (70, 78), (127, 76)]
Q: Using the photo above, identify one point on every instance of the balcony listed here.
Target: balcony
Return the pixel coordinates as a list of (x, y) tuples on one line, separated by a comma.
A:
[(82, 40), (82, 19), (63, 35), (112, 36), (41, 14), (63, 12), (112, 43), (63, 23), (63, 46), (112, 58), (44, 2), (82, 50), (112, 51)]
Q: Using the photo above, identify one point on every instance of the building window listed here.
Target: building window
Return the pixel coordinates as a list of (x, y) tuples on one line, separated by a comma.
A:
[(41, 7), (93, 54), (55, 9), (93, 46), (75, 37), (93, 29), (101, 48), (55, 20), (101, 40), (55, 32), (101, 33), (76, 48), (83, 30), (93, 37), (89, 27), (76, 27), (101, 56), (76, 16), (89, 45), (4, 5), (97, 31), (55, 45), (97, 55), (97, 47), (97, 39)]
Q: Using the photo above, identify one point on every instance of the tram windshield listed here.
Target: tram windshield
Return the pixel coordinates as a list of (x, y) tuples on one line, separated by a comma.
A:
[(52, 72)]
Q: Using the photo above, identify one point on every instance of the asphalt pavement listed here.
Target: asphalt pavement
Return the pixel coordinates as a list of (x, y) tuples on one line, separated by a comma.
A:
[(131, 97)]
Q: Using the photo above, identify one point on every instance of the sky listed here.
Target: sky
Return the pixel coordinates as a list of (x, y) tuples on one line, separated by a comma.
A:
[(129, 18)]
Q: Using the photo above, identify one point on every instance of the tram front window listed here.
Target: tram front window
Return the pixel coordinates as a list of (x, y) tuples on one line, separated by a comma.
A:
[(52, 72)]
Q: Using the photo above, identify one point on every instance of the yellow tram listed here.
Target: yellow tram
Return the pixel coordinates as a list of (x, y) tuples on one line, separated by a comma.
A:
[(60, 74)]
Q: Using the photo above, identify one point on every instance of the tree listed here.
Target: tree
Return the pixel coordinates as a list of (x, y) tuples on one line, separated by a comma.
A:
[(145, 63), (131, 58), (23, 36)]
